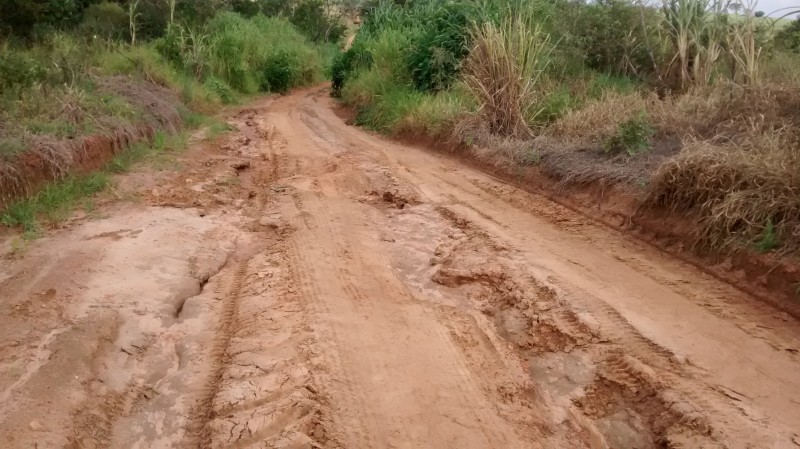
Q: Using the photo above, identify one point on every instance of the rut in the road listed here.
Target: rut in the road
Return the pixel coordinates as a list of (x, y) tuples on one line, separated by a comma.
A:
[(630, 401), (261, 390)]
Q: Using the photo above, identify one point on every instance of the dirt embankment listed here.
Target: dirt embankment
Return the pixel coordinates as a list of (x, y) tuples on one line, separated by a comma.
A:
[(46, 158), (303, 284)]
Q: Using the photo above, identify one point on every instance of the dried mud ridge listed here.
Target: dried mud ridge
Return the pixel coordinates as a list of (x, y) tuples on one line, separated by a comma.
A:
[(298, 283)]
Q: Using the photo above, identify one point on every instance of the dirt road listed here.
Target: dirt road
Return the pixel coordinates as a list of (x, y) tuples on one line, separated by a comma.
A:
[(301, 283)]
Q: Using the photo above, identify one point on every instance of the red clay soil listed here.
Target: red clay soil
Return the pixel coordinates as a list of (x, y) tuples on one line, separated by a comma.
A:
[(770, 277)]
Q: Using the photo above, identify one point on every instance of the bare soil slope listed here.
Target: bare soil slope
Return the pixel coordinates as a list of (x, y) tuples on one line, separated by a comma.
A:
[(304, 284)]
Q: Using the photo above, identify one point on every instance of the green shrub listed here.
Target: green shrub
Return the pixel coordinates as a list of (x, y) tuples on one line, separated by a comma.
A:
[(241, 51), (769, 240), (344, 64), (435, 55), (395, 104), (19, 69), (10, 146), (221, 89), (105, 20), (788, 38), (611, 37), (313, 18), (633, 136), (555, 104), (278, 72)]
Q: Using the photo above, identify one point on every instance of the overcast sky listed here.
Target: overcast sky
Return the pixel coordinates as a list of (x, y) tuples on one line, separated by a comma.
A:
[(768, 6)]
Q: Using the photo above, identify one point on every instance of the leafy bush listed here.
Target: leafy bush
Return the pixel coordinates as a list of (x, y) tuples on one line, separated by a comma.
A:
[(435, 56), (105, 20), (633, 136), (345, 63), (278, 72), (788, 38), (612, 39), (241, 50), (221, 89), (19, 69), (313, 18)]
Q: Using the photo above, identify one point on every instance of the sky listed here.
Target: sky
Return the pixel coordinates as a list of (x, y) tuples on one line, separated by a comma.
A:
[(768, 6)]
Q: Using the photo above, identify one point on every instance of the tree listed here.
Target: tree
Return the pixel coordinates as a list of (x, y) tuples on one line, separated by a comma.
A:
[(21, 17), (106, 20), (788, 37)]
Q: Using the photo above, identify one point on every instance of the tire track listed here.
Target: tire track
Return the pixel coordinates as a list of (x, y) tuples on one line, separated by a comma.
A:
[(203, 412)]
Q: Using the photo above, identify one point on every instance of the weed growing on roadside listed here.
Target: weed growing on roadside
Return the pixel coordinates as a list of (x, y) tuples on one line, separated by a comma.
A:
[(216, 129), (633, 136), (54, 202), (769, 240)]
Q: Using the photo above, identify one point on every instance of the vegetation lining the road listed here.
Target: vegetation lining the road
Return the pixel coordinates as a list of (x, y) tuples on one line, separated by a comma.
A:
[(80, 81), (691, 106)]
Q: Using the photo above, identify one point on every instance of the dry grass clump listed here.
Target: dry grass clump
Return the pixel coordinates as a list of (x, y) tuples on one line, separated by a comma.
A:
[(491, 148), (601, 118), (722, 113), (570, 163), (502, 71), (159, 106), (740, 166), (728, 112), (746, 193)]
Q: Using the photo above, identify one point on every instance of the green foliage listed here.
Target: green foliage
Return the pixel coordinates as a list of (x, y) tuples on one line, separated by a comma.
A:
[(23, 17), (20, 70), (555, 104), (11, 146), (611, 37), (395, 104), (633, 136), (769, 239), (436, 53), (788, 38), (345, 63), (54, 202), (246, 53), (278, 72), (105, 20), (313, 18), (221, 89), (427, 38)]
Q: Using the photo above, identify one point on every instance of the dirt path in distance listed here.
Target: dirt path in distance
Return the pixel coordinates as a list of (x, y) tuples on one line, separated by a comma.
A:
[(300, 283)]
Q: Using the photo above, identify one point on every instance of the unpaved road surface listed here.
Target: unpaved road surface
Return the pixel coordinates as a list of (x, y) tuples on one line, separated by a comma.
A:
[(299, 283)]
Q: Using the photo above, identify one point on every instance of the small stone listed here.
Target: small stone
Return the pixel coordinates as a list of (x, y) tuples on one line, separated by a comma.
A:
[(35, 426)]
